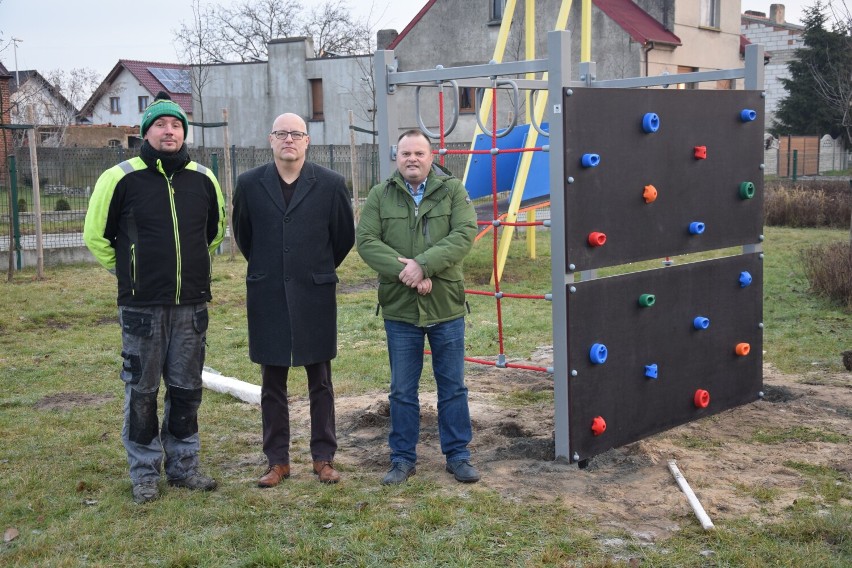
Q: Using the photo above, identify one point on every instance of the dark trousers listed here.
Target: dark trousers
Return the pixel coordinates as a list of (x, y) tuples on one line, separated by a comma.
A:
[(276, 414)]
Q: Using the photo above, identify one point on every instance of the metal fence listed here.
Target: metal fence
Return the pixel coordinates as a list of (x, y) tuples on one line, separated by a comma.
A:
[(68, 175)]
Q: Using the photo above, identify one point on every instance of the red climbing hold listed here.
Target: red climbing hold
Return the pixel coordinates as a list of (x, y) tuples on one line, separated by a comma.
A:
[(598, 425), (701, 399)]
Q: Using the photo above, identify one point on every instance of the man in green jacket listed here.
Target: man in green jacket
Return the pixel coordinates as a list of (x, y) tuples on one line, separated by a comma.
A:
[(415, 230), (154, 221)]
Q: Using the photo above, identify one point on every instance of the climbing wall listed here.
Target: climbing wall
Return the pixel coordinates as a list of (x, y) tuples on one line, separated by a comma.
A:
[(651, 174)]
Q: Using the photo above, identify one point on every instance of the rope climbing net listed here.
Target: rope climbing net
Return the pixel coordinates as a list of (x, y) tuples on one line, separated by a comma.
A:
[(497, 219)]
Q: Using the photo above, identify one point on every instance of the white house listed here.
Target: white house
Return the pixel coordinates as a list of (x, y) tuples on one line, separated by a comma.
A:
[(130, 87), (51, 111)]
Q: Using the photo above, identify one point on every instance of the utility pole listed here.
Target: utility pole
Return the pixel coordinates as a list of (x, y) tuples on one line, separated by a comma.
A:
[(15, 42)]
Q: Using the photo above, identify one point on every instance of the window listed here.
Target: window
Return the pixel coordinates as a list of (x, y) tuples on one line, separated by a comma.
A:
[(143, 103), (683, 69), (115, 143), (497, 8), (115, 105), (709, 14), (316, 100), (466, 99)]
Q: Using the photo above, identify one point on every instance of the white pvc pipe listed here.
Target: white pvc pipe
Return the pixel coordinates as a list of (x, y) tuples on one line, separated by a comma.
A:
[(242, 390), (706, 523)]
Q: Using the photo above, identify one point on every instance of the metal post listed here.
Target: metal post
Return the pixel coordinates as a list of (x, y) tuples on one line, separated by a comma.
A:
[(16, 226), (795, 163), (386, 111), (214, 164), (559, 74), (754, 69), (15, 42), (233, 162)]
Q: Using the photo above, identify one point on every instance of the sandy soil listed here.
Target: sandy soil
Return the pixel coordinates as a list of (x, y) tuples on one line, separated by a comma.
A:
[(629, 487)]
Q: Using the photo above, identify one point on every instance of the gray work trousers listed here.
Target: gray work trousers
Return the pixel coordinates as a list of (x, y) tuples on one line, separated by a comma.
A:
[(167, 342)]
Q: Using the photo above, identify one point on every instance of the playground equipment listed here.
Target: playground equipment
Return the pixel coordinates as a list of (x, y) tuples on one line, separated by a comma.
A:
[(634, 174)]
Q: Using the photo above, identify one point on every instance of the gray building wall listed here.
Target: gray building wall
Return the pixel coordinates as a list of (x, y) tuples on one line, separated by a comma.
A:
[(256, 92)]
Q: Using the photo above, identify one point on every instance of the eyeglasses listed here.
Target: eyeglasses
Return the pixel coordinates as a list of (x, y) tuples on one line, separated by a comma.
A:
[(283, 134)]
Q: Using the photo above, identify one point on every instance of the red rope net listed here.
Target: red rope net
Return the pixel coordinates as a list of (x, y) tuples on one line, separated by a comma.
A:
[(497, 220)]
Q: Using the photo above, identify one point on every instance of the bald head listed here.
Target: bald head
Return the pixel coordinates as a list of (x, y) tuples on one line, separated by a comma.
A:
[(289, 121), (289, 141)]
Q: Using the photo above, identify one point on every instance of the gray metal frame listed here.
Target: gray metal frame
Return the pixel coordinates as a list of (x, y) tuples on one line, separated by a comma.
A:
[(558, 66)]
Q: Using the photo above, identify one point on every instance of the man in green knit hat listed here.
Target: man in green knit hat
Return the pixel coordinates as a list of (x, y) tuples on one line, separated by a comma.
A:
[(154, 221)]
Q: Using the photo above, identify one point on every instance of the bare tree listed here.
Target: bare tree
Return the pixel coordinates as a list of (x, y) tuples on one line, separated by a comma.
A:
[(197, 48), (241, 32), (834, 80), (198, 40), (55, 99), (334, 31)]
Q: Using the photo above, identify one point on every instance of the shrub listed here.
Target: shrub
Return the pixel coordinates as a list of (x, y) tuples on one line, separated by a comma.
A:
[(829, 271), (27, 179), (62, 205), (22, 205), (815, 203)]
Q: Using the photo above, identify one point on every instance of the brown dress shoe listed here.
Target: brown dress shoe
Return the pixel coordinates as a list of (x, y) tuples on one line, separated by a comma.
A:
[(274, 475), (326, 472)]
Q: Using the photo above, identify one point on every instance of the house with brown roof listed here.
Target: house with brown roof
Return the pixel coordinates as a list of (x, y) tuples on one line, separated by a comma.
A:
[(52, 113), (129, 88), (629, 38)]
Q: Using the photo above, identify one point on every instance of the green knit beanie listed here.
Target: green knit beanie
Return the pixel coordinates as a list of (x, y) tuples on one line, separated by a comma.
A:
[(163, 105)]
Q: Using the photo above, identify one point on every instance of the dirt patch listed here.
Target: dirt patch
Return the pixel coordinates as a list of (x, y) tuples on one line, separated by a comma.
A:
[(70, 400), (630, 488)]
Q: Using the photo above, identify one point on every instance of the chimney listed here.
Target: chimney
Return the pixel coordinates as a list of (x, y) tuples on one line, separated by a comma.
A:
[(776, 13), (385, 37)]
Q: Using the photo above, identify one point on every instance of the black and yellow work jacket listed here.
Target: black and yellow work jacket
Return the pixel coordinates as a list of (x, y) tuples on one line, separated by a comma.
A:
[(156, 231)]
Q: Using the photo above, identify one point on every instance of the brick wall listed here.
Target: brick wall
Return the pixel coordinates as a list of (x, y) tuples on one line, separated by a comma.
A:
[(5, 135), (780, 40), (100, 136)]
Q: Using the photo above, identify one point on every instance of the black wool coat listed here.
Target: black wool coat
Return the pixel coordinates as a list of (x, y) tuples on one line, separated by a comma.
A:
[(292, 254)]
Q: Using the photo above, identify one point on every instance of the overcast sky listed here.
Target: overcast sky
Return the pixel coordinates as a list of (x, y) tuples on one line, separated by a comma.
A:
[(95, 34), (68, 34)]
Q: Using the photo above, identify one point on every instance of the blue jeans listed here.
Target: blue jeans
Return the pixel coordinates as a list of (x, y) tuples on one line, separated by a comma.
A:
[(167, 342), (405, 350)]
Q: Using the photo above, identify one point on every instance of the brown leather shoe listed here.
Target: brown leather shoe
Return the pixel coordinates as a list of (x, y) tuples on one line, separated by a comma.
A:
[(326, 472), (274, 475)]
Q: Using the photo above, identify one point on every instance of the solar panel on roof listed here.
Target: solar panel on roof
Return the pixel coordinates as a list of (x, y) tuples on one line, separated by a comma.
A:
[(174, 80)]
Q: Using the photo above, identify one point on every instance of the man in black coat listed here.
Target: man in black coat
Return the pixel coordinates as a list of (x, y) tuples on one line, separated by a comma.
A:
[(293, 222)]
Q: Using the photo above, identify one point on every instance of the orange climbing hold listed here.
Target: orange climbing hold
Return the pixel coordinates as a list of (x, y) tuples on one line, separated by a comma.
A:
[(650, 194), (742, 349), (701, 398)]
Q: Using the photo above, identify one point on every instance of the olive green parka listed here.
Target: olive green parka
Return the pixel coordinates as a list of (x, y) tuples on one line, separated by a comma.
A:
[(438, 234)]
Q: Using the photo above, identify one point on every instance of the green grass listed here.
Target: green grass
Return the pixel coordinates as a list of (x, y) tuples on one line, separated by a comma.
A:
[(802, 331), (63, 481)]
